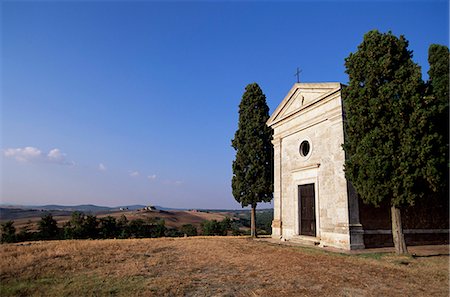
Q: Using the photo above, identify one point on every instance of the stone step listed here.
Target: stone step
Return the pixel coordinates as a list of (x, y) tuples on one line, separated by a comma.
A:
[(305, 240)]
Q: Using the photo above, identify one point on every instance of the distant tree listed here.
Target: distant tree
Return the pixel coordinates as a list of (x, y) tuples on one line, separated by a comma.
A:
[(8, 232), (140, 228), (264, 219), (68, 231), (225, 225), (263, 222), (122, 227), (48, 228), (189, 230), (173, 232), (89, 227), (74, 227), (252, 180), (159, 229), (387, 144), (137, 228), (212, 227), (108, 227), (215, 227), (235, 231), (25, 234), (80, 226)]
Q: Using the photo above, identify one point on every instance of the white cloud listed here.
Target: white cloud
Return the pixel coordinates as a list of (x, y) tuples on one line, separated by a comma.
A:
[(102, 167), (32, 154), (56, 156), (23, 154), (152, 177), (134, 173)]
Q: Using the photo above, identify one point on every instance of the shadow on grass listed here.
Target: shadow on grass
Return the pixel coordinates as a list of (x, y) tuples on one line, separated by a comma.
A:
[(78, 285), (320, 251), (429, 256)]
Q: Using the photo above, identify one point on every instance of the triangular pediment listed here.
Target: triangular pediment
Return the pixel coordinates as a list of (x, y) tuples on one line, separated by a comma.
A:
[(301, 96)]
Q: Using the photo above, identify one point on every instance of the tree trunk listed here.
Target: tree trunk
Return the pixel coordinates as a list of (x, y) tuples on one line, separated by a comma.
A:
[(253, 222), (397, 231)]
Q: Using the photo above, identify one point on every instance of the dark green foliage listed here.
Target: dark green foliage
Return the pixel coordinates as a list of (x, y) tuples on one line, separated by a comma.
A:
[(173, 232), (122, 226), (137, 228), (252, 180), (214, 227), (438, 95), (48, 228), (388, 145), (25, 234), (234, 227), (108, 227), (89, 226), (81, 226), (159, 228), (235, 231), (263, 220), (140, 228), (73, 229), (226, 224), (438, 58), (189, 230), (8, 232)]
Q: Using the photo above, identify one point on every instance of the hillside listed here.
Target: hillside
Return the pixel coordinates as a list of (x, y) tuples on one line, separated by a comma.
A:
[(213, 266), (173, 219), (9, 213), (28, 218)]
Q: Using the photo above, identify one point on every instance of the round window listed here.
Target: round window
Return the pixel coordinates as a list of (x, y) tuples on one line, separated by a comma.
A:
[(304, 148)]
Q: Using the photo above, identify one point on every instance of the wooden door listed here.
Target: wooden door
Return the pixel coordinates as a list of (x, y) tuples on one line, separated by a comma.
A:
[(307, 212)]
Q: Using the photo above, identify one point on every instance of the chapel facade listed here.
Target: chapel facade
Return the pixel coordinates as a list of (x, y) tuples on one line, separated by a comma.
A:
[(311, 196), (313, 201)]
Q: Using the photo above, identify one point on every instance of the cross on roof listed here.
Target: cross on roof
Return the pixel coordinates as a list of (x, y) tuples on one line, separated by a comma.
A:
[(298, 74)]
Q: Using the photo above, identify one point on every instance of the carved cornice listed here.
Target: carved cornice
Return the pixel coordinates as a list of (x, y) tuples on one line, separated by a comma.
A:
[(307, 167)]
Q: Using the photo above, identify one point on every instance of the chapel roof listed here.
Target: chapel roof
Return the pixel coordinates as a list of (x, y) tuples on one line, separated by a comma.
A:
[(302, 96)]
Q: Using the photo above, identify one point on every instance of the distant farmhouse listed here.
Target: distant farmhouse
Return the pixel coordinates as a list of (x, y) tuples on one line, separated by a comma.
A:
[(150, 207), (313, 201)]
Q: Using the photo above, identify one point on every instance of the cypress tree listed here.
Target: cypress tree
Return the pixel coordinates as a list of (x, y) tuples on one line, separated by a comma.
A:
[(48, 228), (438, 97), (252, 180), (390, 150), (438, 58)]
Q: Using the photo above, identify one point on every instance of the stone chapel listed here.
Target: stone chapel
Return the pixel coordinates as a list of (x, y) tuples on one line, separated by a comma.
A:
[(313, 202)]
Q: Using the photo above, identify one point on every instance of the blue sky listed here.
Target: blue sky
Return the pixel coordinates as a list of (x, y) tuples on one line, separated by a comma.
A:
[(118, 102)]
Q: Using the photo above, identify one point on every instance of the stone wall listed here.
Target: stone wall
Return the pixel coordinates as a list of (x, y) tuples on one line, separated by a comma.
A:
[(427, 222)]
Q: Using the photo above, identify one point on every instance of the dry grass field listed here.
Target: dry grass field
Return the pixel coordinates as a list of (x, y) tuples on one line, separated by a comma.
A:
[(211, 266)]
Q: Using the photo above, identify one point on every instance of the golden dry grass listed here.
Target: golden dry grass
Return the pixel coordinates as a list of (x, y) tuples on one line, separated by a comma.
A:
[(210, 266)]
